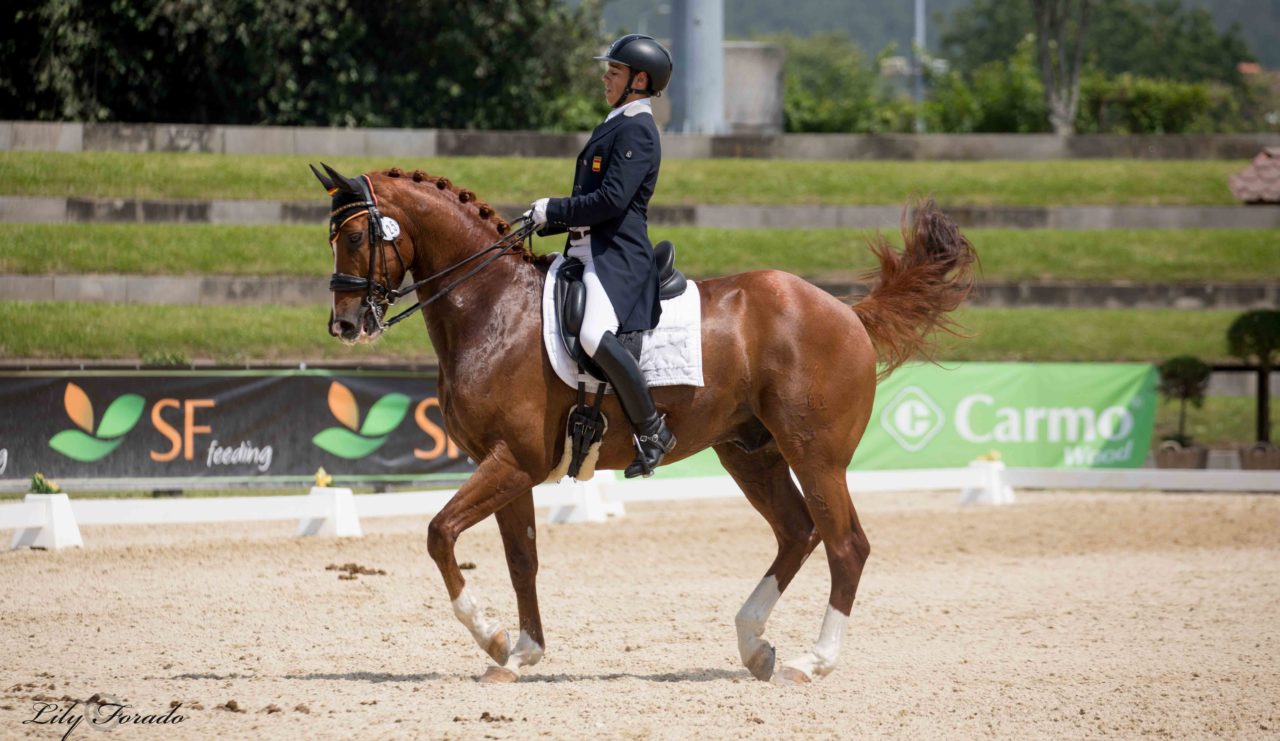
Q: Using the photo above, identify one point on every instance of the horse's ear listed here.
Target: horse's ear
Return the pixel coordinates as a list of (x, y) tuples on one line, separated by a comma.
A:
[(339, 181), (324, 180)]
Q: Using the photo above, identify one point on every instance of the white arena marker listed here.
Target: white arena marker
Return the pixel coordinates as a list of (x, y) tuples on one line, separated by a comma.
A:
[(585, 502), (51, 524), (991, 487), (332, 513)]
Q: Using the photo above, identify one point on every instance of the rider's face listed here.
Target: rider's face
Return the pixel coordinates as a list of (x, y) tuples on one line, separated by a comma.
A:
[(615, 81)]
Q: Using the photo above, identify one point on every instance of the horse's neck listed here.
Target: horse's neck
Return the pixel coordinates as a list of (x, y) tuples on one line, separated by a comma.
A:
[(482, 309)]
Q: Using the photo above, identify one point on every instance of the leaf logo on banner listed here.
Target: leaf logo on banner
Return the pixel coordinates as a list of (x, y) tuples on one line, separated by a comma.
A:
[(87, 444), (354, 440)]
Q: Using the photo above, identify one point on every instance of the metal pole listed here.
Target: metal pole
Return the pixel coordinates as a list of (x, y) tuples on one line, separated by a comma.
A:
[(918, 68), (697, 86)]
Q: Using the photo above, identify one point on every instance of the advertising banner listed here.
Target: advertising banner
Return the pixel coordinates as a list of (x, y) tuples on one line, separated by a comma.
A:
[(283, 425), (242, 424), (1035, 415)]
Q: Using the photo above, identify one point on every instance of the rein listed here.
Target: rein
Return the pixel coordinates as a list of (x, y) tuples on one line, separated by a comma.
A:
[(379, 296)]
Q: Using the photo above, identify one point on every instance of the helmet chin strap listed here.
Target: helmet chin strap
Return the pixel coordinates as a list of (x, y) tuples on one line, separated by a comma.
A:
[(628, 90)]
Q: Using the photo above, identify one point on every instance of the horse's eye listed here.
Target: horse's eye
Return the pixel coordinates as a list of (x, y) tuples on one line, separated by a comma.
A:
[(355, 238)]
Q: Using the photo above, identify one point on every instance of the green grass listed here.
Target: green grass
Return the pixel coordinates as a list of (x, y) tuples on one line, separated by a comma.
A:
[(519, 180), (178, 334), (1148, 255), (1089, 335), (166, 249), (237, 335), (1136, 255)]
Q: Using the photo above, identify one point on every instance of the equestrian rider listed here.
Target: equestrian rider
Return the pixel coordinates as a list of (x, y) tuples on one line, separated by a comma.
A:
[(606, 218)]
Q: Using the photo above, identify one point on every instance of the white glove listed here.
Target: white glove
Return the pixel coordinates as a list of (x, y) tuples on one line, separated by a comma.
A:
[(537, 212)]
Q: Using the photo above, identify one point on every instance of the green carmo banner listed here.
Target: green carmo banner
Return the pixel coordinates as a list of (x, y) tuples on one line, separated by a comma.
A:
[(1035, 415)]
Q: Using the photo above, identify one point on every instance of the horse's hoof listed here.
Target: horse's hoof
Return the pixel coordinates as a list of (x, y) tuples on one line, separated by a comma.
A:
[(790, 675), (762, 662), (499, 648), (498, 675)]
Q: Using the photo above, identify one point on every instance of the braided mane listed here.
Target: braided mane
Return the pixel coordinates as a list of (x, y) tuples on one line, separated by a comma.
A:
[(465, 196)]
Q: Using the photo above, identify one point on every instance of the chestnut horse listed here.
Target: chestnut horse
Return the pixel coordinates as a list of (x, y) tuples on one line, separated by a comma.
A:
[(791, 372)]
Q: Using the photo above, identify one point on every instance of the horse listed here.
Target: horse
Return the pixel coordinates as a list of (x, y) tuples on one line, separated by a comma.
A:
[(792, 371)]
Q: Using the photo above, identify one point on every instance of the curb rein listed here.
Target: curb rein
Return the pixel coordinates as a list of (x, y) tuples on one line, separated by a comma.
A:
[(379, 296)]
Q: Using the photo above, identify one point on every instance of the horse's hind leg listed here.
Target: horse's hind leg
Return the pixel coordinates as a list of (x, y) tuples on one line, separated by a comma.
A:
[(497, 482), (765, 479), (827, 496)]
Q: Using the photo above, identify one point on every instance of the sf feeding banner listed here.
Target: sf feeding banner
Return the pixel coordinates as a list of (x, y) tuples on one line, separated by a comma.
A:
[(1035, 415), (259, 424)]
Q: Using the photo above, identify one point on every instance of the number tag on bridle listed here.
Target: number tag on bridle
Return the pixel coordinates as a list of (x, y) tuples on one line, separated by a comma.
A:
[(390, 229)]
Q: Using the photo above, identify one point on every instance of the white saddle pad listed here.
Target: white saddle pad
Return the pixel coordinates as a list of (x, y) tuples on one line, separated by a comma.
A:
[(671, 354)]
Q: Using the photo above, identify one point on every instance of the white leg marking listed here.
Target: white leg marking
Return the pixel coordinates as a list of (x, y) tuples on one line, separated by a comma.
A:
[(526, 653), (753, 615), (467, 609), (822, 659)]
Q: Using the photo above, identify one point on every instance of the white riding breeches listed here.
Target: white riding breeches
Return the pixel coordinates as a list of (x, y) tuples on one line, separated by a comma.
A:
[(599, 316)]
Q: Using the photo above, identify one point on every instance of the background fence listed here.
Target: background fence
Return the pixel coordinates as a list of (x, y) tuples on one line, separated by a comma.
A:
[(52, 521)]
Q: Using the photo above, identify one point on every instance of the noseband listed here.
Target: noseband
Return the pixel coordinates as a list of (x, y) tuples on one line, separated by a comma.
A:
[(378, 295)]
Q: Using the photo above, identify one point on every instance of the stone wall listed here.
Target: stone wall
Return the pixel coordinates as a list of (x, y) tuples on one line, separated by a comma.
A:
[(718, 216), (287, 290), (743, 216), (77, 137)]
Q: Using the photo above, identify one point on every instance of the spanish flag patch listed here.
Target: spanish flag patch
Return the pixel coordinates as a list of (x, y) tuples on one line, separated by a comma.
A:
[(595, 164)]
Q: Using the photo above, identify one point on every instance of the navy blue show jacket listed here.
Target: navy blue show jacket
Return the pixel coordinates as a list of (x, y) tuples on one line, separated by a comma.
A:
[(614, 179)]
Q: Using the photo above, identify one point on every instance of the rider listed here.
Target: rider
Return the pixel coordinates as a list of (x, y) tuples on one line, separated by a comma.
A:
[(605, 217)]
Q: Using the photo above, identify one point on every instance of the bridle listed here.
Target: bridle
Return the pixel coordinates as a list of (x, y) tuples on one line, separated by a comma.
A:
[(378, 295)]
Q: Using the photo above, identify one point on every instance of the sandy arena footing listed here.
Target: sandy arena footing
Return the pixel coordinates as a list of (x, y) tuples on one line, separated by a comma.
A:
[(1067, 615)]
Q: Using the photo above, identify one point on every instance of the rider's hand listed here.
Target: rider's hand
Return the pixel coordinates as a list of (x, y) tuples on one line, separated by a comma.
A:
[(537, 212)]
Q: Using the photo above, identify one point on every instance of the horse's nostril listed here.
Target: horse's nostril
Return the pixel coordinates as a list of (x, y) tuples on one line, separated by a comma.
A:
[(342, 327)]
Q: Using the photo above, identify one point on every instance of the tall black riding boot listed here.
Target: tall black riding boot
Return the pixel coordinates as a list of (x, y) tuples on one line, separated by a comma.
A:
[(652, 437)]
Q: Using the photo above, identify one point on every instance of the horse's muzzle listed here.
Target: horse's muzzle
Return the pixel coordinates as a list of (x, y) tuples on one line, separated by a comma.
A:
[(362, 327)]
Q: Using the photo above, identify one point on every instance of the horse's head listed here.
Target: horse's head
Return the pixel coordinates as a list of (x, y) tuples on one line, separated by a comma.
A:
[(370, 255)]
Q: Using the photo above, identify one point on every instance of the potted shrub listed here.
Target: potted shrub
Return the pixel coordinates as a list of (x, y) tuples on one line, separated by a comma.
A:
[(1260, 456), (1184, 378)]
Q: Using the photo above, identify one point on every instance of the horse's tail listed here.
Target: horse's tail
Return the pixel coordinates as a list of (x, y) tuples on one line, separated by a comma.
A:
[(915, 289)]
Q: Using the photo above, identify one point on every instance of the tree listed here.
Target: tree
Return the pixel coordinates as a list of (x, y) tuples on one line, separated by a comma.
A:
[(1256, 334), (1005, 96), (830, 87), (405, 63), (1184, 378), (984, 32), (1163, 39), (1061, 28)]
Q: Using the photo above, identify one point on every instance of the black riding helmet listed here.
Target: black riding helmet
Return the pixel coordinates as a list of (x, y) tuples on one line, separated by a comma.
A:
[(642, 54)]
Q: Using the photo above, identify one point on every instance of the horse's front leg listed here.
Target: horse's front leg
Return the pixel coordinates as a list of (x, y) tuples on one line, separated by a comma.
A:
[(497, 482), (517, 524)]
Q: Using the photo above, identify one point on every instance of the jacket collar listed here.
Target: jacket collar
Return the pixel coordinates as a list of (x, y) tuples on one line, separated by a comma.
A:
[(634, 108), (630, 110)]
